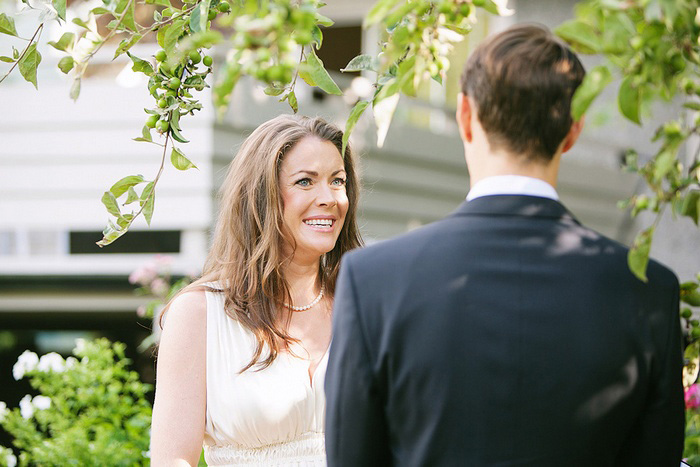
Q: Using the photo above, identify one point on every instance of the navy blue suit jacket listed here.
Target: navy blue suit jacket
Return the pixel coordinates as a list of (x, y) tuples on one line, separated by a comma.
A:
[(506, 334)]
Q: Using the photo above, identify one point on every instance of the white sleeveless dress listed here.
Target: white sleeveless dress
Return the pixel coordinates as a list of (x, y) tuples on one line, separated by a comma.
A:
[(271, 417)]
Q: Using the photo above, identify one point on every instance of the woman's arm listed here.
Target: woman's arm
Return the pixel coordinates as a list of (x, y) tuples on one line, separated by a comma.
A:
[(177, 429)]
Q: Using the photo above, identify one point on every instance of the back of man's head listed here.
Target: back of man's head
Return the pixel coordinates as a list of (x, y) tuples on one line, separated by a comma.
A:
[(522, 81)]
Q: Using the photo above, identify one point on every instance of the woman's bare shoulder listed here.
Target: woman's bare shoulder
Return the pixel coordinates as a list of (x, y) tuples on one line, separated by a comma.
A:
[(189, 306)]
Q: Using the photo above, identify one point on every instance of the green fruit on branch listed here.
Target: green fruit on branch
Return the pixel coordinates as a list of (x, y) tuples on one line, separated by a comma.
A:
[(212, 14), (208, 61), (174, 83), (194, 57), (163, 125), (224, 7), (151, 121), (161, 55), (162, 103), (686, 313)]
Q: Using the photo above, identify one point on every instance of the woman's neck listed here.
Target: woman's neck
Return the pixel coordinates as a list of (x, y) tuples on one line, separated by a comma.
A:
[(303, 280)]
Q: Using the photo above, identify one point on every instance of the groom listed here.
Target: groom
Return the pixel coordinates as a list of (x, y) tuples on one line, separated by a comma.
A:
[(508, 333)]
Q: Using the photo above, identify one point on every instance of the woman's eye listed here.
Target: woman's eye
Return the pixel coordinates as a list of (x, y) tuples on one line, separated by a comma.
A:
[(304, 182), (339, 181)]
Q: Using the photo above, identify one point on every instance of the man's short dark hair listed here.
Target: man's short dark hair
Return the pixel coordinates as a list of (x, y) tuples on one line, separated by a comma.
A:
[(522, 81)]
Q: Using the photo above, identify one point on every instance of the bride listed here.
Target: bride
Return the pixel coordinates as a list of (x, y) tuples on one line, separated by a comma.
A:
[(243, 351)]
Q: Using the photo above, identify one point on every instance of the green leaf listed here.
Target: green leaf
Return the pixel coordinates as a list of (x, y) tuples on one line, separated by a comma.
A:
[(110, 203), (175, 128), (593, 84), (65, 43), (355, 115), (272, 90), (581, 35), (7, 59), (126, 44), (692, 105), (124, 184), (131, 195), (126, 9), (629, 100), (491, 7), (664, 162), (305, 75), (172, 34), (199, 17), (320, 76), (179, 161), (379, 11), (66, 64), (317, 36), (148, 199), (75, 89), (292, 99), (323, 20), (141, 65), (110, 235), (29, 63), (638, 256), (60, 6), (7, 25), (691, 202), (146, 133), (362, 62), (228, 77)]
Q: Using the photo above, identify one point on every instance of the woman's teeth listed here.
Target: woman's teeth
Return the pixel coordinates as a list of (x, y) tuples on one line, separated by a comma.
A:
[(320, 222)]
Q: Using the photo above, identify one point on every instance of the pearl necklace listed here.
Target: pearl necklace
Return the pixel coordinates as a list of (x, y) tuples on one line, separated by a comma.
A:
[(306, 307)]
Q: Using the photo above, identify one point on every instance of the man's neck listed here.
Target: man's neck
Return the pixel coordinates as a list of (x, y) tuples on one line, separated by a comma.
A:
[(499, 163)]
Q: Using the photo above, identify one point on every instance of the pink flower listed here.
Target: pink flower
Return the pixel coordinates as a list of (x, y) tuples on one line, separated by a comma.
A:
[(159, 287), (141, 311), (692, 397), (163, 261), (143, 275)]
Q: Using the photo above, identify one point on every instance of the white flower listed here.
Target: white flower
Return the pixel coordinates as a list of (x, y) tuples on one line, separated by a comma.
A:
[(26, 362), (41, 402), (79, 345), (3, 410), (26, 409), (71, 362), (11, 460), (51, 362)]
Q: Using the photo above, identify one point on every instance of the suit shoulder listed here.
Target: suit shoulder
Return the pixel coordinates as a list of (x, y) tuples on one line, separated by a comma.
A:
[(402, 247)]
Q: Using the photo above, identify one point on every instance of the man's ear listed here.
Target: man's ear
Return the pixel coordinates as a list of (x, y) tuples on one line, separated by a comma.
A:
[(464, 117), (572, 135)]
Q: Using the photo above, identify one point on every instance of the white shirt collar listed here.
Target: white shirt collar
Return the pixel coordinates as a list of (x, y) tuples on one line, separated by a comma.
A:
[(512, 185)]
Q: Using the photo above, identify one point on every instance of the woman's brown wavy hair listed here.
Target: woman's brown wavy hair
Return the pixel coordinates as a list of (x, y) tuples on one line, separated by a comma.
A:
[(246, 256)]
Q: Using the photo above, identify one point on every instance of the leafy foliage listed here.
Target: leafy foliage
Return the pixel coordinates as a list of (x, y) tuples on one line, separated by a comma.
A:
[(91, 409), (275, 42)]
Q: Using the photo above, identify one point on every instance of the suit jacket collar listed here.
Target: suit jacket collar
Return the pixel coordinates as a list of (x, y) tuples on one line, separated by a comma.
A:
[(515, 205)]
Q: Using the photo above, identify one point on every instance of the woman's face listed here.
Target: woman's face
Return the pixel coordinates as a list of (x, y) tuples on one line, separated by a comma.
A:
[(312, 184)]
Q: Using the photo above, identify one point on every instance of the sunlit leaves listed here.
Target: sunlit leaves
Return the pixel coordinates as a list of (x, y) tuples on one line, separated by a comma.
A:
[(198, 17), (66, 64), (593, 84), (60, 6), (581, 35), (121, 187), (320, 76), (629, 100), (140, 65), (638, 256), (363, 62), (355, 115), (65, 43), (7, 25), (179, 161), (28, 64)]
